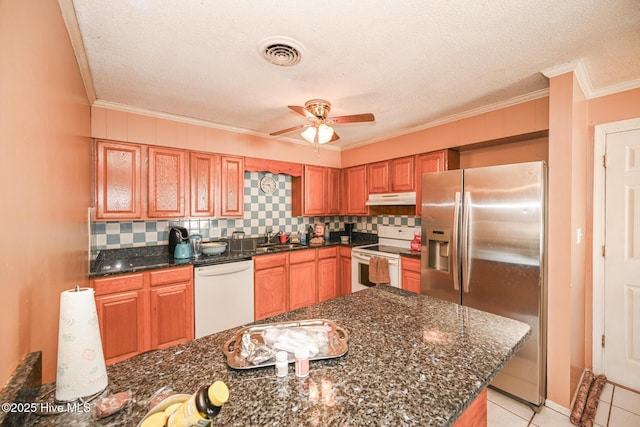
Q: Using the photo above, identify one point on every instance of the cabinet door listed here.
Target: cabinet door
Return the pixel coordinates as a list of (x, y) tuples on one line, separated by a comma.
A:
[(118, 177), (402, 174), (171, 315), (328, 274), (122, 319), (203, 184), (231, 186), (378, 175), (270, 281), (166, 185), (345, 270), (315, 190), (433, 162), (302, 284), (333, 191), (411, 274), (356, 183)]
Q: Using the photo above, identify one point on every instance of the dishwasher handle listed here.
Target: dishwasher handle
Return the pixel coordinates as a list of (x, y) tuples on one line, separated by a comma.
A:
[(222, 269)]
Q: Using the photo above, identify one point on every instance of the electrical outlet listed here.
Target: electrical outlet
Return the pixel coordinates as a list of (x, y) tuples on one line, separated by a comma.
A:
[(214, 232)]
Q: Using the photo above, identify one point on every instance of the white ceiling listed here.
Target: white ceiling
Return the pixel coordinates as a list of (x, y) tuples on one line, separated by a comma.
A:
[(411, 63)]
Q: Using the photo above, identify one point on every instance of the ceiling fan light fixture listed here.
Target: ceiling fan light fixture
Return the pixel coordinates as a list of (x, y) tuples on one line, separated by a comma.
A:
[(309, 134), (324, 133)]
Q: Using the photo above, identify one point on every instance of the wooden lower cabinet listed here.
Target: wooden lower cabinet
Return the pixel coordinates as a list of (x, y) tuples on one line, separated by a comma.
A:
[(476, 414), (296, 279), (411, 274), (122, 324), (328, 273), (144, 311), (303, 285), (345, 270), (270, 285), (172, 317)]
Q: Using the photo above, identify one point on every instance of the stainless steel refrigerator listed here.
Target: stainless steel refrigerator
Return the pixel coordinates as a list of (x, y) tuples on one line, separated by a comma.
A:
[(483, 246)]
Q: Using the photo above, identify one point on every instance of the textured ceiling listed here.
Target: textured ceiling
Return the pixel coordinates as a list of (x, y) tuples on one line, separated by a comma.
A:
[(411, 63)]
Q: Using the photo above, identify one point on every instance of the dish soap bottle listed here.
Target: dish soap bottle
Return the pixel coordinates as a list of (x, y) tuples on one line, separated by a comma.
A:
[(201, 407)]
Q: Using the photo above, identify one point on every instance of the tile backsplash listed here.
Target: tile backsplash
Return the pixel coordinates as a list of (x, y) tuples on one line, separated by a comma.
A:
[(262, 212)]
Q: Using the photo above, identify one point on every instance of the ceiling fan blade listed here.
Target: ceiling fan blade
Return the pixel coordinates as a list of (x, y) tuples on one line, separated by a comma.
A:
[(354, 118), (302, 111), (335, 137), (291, 129)]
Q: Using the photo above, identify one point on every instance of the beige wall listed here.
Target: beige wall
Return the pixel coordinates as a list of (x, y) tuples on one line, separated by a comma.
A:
[(528, 117), (45, 179), (515, 152), (132, 127)]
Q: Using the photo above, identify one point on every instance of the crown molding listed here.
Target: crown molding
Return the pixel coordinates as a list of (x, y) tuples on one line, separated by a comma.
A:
[(580, 72), (71, 22)]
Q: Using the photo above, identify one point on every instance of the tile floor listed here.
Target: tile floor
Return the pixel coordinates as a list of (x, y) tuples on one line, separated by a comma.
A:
[(618, 407)]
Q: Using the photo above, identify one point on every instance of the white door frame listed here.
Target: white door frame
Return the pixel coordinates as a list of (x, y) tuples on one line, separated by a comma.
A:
[(599, 173)]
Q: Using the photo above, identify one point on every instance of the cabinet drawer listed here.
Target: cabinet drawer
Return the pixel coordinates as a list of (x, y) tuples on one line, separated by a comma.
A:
[(328, 252), (269, 261), (411, 264), (120, 283), (171, 275), (303, 255), (345, 251)]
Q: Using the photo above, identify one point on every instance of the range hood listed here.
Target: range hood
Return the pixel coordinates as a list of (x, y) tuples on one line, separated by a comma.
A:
[(392, 199)]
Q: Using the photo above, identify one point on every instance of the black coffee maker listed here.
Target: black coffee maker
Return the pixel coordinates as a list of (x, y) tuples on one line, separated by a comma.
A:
[(348, 229), (176, 235)]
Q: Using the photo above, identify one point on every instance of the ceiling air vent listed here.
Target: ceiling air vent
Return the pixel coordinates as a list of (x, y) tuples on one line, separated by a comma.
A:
[(281, 51)]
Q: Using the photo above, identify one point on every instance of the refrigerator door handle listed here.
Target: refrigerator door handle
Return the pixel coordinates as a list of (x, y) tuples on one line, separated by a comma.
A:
[(454, 251), (465, 239)]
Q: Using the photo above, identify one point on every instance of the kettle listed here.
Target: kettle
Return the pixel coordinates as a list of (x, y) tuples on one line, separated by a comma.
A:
[(182, 251), (176, 235)]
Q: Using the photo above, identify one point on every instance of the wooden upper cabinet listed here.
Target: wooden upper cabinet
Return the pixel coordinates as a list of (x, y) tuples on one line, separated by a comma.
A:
[(355, 186), (310, 193), (333, 191), (401, 174), (391, 176), (231, 186), (203, 182), (315, 193), (378, 175), (166, 185), (433, 162), (118, 180)]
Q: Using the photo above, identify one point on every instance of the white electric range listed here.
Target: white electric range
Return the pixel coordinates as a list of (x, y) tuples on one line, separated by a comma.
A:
[(393, 241)]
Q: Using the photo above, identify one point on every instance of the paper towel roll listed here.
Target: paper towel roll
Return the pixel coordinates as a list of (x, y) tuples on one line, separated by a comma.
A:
[(81, 369)]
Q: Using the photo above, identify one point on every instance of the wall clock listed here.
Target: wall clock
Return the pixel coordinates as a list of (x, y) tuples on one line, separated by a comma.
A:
[(268, 184)]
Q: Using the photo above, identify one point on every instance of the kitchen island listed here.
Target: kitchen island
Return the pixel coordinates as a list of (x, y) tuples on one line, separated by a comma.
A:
[(412, 360)]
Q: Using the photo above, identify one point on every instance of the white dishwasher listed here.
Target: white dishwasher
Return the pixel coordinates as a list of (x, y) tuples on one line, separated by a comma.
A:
[(223, 296)]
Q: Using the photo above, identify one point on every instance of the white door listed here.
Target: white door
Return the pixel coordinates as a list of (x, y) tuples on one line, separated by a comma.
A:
[(621, 352)]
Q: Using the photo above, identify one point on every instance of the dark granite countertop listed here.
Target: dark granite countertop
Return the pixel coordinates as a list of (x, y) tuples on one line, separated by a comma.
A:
[(413, 360), (132, 260)]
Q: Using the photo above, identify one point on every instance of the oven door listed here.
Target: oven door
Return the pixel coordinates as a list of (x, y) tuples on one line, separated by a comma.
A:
[(360, 270)]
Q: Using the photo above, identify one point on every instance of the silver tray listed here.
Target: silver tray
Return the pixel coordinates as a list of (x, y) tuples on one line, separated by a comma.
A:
[(337, 345)]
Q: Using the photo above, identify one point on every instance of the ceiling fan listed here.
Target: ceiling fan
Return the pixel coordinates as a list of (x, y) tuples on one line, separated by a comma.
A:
[(318, 131)]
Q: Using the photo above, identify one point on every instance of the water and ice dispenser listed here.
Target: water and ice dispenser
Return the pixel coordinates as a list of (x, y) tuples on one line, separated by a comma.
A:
[(439, 248)]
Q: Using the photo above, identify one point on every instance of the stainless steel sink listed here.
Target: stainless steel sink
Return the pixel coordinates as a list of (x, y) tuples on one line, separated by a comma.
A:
[(289, 246), (276, 248)]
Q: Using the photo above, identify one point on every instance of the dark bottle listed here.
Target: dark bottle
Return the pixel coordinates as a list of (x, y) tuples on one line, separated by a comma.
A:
[(203, 406), (309, 235)]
